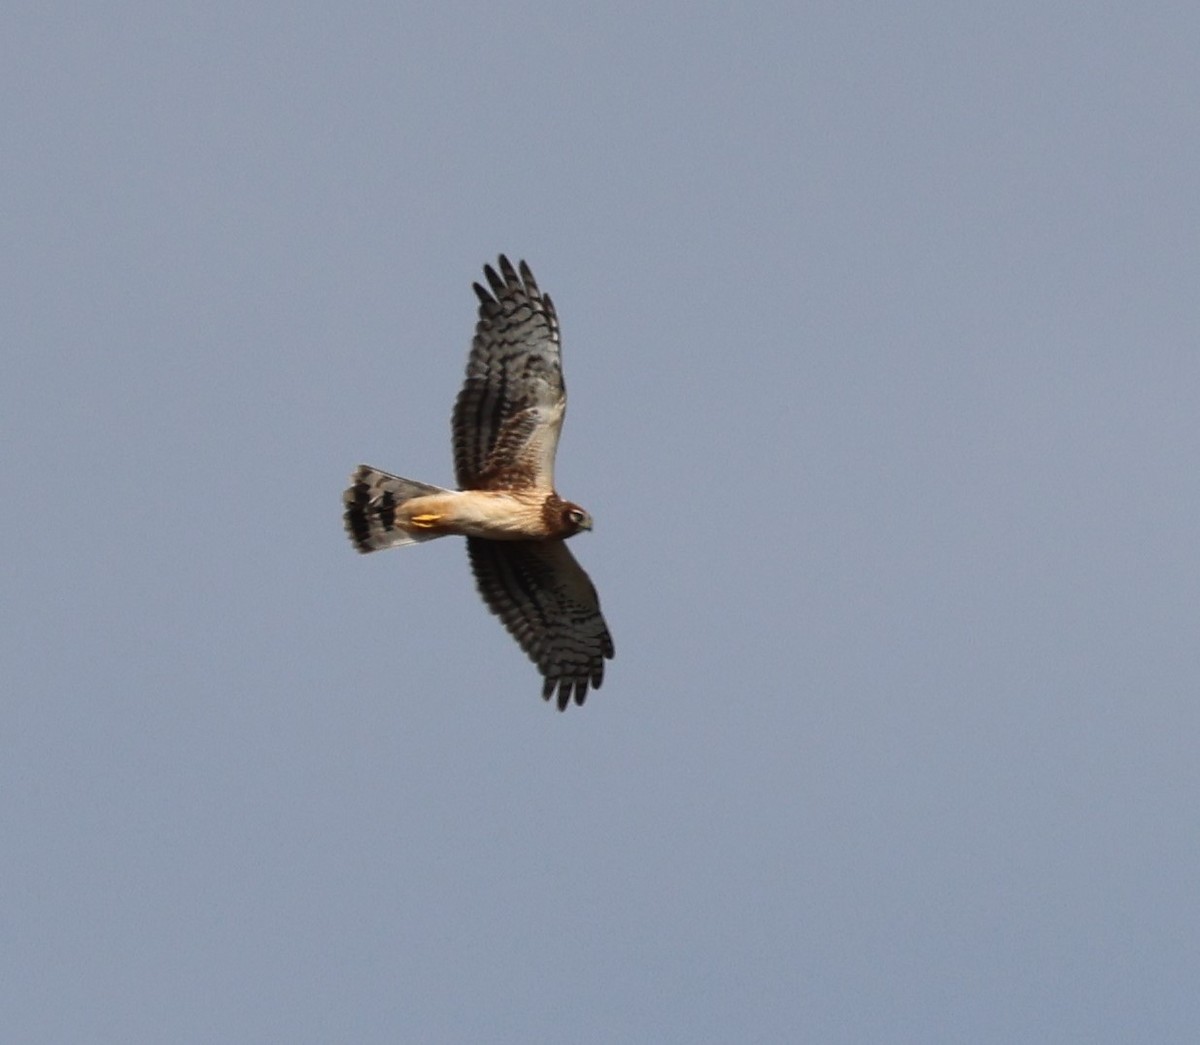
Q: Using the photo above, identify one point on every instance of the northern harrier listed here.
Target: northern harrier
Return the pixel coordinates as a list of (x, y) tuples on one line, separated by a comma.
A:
[(506, 424)]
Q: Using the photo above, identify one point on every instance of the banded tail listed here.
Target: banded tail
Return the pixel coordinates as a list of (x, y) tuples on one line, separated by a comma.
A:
[(371, 501)]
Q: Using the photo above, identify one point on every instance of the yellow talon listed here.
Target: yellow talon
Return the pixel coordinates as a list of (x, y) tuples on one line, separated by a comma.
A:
[(425, 522)]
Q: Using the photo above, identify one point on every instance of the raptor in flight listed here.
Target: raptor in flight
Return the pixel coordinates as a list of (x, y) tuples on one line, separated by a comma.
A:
[(506, 425)]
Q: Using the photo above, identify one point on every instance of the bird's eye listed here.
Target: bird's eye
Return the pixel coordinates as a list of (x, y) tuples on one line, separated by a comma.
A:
[(575, 515)]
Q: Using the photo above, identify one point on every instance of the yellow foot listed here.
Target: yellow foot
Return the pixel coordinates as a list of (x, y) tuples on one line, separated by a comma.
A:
[(425, 522)]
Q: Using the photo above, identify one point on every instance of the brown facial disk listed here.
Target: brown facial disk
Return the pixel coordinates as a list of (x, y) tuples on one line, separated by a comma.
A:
[(564, 518)]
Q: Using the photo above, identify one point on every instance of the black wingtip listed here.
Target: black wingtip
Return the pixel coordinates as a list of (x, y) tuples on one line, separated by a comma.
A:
[(494, 281), (565, 690), (527, 278), (507, 277), (506, 269)]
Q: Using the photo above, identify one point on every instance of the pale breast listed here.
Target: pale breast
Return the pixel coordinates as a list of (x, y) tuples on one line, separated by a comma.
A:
[(498, 515)]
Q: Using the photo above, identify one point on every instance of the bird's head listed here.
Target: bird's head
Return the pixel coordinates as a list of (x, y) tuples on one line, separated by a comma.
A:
[(572, 518)]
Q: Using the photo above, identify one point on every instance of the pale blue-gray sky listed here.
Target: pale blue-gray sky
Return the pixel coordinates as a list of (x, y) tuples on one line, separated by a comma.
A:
[(881, 332)]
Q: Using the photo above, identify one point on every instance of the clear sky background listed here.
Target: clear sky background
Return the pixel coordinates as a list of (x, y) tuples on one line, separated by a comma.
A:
[(881, 330)]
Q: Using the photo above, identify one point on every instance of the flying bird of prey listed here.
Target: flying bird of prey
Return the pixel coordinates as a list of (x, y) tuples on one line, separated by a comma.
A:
[(506, 424)]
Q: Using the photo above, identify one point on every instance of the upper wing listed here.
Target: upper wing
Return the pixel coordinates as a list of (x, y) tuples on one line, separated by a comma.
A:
[(550, 607), (510, 410)]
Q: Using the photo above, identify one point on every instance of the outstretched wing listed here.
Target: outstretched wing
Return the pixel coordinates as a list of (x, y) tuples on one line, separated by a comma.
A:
[(550, 607), (510, 410)]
